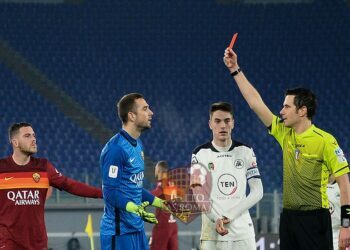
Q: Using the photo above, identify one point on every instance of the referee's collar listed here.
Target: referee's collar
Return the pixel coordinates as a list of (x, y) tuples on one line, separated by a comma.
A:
[(128, 137)]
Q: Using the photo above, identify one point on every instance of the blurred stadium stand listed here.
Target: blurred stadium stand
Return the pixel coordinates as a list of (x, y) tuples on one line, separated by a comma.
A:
[(172, 53)]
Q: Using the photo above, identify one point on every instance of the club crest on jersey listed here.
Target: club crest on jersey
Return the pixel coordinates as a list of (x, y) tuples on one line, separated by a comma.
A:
[(211, 166), (36, 177), (239, 163)]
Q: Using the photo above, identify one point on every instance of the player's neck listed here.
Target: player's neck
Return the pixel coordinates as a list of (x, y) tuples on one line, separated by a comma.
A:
[(222, 144), (133, 132), (20, 159), (302, 126)]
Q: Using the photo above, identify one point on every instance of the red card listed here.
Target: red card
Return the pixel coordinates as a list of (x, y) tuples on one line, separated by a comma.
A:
[(233, 40)]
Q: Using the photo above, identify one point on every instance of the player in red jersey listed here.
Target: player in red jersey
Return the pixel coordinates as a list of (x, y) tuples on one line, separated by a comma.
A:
[(164, 234), (24, 181)]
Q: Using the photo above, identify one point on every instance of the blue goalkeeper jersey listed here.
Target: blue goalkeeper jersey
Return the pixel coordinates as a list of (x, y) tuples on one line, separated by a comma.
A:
[(122, 167)]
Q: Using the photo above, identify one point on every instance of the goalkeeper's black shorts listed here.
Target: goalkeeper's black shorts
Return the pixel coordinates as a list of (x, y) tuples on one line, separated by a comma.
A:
[(306, 230)]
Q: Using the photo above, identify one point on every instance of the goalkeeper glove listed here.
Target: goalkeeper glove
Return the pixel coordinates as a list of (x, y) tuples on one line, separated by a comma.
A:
[(140, 211), (148, 217), (132, 208), (159, 203)]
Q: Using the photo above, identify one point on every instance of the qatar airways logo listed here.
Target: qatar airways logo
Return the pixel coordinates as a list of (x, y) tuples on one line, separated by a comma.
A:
[(137, 179), (24, 197)]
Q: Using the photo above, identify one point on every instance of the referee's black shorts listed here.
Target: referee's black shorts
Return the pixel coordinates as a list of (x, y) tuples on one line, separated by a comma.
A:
[(306, 230)]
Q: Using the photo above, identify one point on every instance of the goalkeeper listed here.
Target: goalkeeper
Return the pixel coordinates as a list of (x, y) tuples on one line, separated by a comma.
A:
[(122, 167)]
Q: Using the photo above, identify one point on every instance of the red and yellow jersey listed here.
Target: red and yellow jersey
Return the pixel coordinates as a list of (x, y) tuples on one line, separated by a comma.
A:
[(23, 193), (167, 193)]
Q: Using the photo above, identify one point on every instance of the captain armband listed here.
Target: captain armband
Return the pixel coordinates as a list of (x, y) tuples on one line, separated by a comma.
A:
[(253, 173), (345, 216)]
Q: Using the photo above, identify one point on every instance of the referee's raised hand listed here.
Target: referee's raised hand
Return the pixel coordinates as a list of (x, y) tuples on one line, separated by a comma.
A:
[(230, 60)]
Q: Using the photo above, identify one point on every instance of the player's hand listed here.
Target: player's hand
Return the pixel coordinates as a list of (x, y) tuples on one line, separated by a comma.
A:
[(146, 216), (149, 217), (132, 208), (220, 228), (140, 211), (159, 203), (230, 60), (344, 237)]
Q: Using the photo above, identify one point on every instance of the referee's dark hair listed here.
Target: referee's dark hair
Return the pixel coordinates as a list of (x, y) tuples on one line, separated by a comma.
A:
[(223, 106), (127, 104), (304, 97), (15, 127)]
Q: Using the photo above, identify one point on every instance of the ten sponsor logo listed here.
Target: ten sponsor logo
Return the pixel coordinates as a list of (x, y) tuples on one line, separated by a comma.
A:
[(227, 184)]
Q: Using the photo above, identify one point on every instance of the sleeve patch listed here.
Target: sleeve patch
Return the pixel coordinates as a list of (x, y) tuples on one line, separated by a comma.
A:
[(113, 171), (340, 155), (194, 160), (253, 172)]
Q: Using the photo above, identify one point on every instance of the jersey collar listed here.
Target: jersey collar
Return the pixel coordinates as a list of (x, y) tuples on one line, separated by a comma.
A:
[(125, 134), (233, 145)]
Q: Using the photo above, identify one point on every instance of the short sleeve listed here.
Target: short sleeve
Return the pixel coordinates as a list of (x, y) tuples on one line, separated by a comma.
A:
[(335, 158), (278, 130), (252, 165)]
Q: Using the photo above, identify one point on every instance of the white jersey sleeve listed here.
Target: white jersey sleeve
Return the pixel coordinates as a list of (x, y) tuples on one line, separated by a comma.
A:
[(200, 183), (333, 194), (255, 186)]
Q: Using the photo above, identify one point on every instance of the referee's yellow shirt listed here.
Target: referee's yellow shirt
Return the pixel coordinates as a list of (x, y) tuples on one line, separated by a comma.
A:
[(308, 160)]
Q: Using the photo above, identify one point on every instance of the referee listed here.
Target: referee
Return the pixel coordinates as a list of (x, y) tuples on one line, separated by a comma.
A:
[(310, 155)]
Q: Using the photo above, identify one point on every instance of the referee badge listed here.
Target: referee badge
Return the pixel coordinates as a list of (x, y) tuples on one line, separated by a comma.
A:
[(36, 177)]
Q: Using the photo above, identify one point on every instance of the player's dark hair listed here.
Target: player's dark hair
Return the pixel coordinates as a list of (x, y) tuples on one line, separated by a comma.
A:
[(223, 106), (304, 97), (163, 166), (15, 127), (127, 104)]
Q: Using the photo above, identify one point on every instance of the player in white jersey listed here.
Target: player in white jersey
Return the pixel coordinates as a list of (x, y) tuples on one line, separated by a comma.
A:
[(333, 194), (221, 170)]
